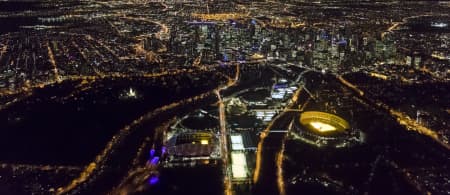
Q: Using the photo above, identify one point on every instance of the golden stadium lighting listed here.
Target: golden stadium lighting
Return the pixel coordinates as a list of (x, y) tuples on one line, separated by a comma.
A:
[(322, 127), (204, 142), (323, 122)]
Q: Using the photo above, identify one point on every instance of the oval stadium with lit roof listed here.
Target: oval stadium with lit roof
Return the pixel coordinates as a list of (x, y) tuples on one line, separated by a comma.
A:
[(323, 123), (325, 129)]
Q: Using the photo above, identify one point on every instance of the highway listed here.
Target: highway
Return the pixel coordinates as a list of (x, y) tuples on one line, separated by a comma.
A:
[(115, 48), (224, 133), (53, 63), (280, 160), (224, 146), (39, 167), (268, 175)]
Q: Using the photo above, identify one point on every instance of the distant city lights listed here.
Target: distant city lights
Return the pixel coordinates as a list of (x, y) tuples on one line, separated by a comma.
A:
[(131, 93), (439, 24)]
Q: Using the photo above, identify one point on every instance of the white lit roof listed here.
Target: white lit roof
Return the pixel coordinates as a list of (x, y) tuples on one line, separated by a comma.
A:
[(239, 165), (236, 142), (236, 139), (237, 146)]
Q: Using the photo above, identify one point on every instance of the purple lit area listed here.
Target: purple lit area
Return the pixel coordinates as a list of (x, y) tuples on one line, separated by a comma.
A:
[(163, 150), (152, 153), (154, 161), (278, 86), (153, 180)]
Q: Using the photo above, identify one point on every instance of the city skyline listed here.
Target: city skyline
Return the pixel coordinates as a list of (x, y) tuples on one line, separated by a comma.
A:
[(224, 97)]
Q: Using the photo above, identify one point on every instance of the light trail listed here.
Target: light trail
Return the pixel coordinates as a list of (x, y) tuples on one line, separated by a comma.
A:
[(164, 29), (53, 63), (402, 118), (80, 51), (27, 91), (223, 131), (115, 28), (83, 86), (405, 20), (279, 160), (350, 85), (409, 177), (266, 132), (432, 74), (395, 24), (95, 49), (165, 6), (198, 60), (262, 137), (410, 124), (39, 167), (224, 144), (279, 163), (99, 54), (128, 184), (390, 29), (3, 51), (15, 100), (108, 49), (220, 16)]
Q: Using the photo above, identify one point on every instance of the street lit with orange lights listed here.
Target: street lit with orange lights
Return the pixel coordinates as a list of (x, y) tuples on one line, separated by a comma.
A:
[(224, 97)]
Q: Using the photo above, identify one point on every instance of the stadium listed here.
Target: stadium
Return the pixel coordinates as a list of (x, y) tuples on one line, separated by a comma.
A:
[(193, 145), (193, 139), (325, 130)]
